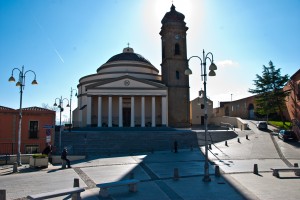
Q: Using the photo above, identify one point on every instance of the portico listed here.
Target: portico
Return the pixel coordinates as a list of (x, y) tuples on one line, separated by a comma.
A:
[(126, 111), (126, 91)]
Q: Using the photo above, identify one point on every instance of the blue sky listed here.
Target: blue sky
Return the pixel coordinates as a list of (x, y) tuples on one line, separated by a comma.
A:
[(64, 40)]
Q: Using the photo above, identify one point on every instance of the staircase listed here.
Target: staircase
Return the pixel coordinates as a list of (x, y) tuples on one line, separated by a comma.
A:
[(108, 141)]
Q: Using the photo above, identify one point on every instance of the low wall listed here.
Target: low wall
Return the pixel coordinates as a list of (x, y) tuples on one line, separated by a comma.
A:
[(236, 122), (25, 159)]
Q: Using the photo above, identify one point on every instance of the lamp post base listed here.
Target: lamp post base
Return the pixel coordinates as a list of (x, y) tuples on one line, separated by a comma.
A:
[(206, 178), (19, 161)]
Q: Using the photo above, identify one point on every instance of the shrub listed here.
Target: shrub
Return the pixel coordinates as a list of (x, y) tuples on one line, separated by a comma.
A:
[(39, 156)]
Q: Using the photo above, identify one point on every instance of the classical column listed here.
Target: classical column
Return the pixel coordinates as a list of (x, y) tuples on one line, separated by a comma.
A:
[(143, 111), (120, 112), (153, 124), (110, 111), (164, 111), (100, 111), (89, 112), (132, 124)]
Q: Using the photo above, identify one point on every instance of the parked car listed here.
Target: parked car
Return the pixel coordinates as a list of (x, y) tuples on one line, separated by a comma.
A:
[(286, 135), (262, 125)]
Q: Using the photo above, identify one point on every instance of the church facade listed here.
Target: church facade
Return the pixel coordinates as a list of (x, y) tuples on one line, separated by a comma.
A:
[(128, 91)]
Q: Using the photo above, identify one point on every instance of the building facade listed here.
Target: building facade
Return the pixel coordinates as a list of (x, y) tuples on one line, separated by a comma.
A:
[(243, 108), (127, 90), (293, 100), (37, 129), (197, 115)]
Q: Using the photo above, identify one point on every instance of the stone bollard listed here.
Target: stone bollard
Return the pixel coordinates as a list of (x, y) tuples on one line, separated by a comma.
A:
[(238, 140), (76, 182), (2, 194), (296, 173), (296, 165), (175, 146), (176, 174), (255, 169), (226, 144), (217, 171), (15, 167), (247, 137)]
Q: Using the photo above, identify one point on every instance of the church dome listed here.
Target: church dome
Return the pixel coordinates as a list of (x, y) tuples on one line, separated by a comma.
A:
[(173, 15), (127, 62), (129, 55)]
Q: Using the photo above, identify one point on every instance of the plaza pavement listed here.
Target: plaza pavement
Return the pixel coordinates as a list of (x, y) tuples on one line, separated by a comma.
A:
[(155, 171)]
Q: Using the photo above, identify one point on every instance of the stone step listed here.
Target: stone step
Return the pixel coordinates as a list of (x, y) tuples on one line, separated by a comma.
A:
[(115, 142)]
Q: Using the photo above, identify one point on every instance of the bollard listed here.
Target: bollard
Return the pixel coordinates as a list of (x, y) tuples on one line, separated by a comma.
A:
[(175, 146), (226, 144), (238, 140), (296, 172), (296, 165), (217, 171), (76, 182), (176, 174), (131, 175), (2, 194), (15, 167), (63, 164), (247, 137), (209, 146), (255, 170)]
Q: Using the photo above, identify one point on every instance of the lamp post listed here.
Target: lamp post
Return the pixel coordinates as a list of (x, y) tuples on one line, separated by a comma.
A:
[(21, 84), (71, 108), (212, 67), (61, 109)]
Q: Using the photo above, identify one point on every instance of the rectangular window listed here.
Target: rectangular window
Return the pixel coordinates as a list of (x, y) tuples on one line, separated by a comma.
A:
[(33, 129), (31, 149)]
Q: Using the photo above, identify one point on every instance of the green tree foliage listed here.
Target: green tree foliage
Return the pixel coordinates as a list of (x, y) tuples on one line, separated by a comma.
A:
[(269, 90)]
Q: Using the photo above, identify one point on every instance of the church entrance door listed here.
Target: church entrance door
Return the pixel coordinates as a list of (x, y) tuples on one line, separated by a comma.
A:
[(126, 117)]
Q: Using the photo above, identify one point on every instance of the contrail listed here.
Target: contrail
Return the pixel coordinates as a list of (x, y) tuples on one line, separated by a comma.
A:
[(62, 60), (50, 41)]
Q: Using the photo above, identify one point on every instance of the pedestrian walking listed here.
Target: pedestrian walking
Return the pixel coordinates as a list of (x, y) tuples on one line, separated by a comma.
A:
[(64, 155)]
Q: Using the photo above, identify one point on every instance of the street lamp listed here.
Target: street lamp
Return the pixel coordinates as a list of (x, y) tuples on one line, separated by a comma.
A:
[(212, 67), (61, 109), (21, 84), (71, 108)]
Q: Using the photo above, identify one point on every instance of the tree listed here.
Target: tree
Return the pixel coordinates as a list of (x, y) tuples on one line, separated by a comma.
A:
[(269, 90), (44, 105)]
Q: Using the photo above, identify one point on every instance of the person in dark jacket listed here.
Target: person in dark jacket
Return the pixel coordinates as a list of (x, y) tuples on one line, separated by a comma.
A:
[(48, 151), (64, 157)]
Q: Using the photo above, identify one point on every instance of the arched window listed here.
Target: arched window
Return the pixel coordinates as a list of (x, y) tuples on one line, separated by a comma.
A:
[(177, 49), (177, 75)]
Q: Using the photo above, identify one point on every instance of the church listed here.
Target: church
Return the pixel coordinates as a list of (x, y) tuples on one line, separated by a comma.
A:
[(128, 91)]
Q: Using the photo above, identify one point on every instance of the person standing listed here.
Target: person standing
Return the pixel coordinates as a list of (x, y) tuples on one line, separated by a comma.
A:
[(47, 151), (64, 157)]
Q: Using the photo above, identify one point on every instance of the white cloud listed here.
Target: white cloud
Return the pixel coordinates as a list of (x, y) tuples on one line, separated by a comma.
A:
[(227, 64)]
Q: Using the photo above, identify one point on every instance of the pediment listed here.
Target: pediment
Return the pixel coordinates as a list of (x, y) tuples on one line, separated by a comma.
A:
[(126, 82)]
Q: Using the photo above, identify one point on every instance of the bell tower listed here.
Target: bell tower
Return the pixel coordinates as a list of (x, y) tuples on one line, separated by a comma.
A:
[(174, 63)]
